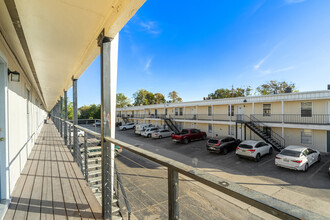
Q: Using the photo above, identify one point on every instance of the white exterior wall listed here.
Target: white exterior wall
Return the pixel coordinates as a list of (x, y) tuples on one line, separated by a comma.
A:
[(17, 144)]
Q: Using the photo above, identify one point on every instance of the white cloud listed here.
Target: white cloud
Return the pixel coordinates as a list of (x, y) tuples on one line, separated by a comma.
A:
[(294, 1), (258, 65), (270, 71), (150, 26), (147, 65)]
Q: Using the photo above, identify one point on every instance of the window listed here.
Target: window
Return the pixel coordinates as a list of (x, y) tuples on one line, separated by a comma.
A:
[(210, 128), (306, 109), (209, 110), (267, 131), (165, 111), (176, 111), (267, 109), (156, 111), (306, 136), (232, 110), (230, 130), (181, 111)]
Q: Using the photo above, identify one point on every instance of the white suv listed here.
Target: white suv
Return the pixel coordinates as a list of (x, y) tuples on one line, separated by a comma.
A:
[(127, 126), (148, 132), (253, 149)]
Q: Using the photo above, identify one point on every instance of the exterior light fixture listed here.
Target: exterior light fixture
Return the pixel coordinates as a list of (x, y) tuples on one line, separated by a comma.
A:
[(245, 100), (14, 75)]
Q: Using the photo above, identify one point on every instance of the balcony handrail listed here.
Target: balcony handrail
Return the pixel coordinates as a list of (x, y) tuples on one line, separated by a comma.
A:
[(251, 197), (123, 192)]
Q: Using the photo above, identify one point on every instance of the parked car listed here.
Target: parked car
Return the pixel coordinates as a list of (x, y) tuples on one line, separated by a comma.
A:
[(297, 158), (127, 126), (80, 133), (148, 132), (162, 133), (329, 171), (97, 124), (253, 149), (222, 144), (140, 128), (188, 135)]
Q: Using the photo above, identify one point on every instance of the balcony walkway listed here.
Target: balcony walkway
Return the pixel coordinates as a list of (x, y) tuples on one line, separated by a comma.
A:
[(51, 185)]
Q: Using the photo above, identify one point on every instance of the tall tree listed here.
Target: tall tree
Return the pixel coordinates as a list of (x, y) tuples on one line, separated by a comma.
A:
[(159, 98), (274, 86), (230, 93), (174, 97), (122, 100), (143, 97)]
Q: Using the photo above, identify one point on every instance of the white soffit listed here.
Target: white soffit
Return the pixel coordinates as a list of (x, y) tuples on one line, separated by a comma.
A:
[(62, 36)]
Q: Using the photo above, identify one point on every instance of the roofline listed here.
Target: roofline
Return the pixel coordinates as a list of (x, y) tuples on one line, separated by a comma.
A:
[(310, 95)]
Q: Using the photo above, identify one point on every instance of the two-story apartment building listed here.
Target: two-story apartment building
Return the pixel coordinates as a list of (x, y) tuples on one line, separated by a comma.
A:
[(299, 118)]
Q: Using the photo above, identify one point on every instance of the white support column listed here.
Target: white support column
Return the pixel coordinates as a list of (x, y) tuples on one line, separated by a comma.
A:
[(109, 59), (252, 108), (212, 115), (282, 119), (196, 112), (230, 112)]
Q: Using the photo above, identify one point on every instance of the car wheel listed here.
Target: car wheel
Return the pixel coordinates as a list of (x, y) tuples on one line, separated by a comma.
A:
[(270, 151), (185, 141), (306, 167), (160, 137), (258, 157), (225, 151), (204, 137), (149, 135), (319, 158)]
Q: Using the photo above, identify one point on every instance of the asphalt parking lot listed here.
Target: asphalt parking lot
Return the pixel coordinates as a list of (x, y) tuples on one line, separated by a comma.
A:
[(315, 182)]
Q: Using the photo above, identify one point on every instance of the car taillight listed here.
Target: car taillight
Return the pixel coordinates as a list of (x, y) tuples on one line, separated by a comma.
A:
[(251, 150), (277, 157), (237, 148), (217, 145), (155, 134), (296, 161)]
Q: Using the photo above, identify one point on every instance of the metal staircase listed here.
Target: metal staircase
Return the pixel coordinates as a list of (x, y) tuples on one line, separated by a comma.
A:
[(172, 125), (125, 119), (276, 140)]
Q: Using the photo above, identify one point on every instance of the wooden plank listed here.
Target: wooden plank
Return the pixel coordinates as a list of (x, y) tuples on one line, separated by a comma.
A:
[(18, 189), (24, 200), (69, 199), (82, 203), (47, 195), (92, 201)]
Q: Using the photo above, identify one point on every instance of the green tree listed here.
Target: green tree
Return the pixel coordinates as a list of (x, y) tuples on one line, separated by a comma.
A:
[(274, 86), (230, 93), (70, 109), (174, 97), (122, 100), (159, 98), (90, 112), (143, 97)]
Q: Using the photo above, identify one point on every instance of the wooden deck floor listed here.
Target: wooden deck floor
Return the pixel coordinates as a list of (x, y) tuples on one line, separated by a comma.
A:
[(51, 185)]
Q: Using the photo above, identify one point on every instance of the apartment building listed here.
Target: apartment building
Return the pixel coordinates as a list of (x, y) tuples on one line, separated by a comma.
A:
[(296, 118)]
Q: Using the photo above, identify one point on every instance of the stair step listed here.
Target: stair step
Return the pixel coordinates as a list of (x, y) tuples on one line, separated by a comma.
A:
[(94, 172)]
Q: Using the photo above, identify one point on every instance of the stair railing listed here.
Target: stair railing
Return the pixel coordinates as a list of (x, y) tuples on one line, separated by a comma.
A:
[(176, 127), (122, 190), (273, 134)]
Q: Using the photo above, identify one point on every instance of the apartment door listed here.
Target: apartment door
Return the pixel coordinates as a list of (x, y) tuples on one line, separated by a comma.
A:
[(192, 113), (328, 141), (28, 112), (240, 113), (4, 174)]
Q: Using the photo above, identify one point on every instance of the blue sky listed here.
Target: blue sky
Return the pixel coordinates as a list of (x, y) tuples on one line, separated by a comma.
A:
[(195, 47)]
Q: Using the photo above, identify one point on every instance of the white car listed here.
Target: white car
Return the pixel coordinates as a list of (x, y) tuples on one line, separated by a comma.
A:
[(253, 149), (148, 132), (97, 124), (140, 128), (127, 126), (297, 158), (162, 133), (80, 133)]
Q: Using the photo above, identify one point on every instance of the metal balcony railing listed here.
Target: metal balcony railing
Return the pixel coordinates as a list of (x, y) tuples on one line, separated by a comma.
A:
[(316, 119), (256, 199)]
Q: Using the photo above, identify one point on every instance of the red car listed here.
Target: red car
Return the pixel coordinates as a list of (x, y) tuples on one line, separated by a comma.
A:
[(188, 135)]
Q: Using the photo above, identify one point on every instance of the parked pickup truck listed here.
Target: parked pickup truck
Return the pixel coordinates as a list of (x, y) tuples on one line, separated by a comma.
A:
[(188, 135)]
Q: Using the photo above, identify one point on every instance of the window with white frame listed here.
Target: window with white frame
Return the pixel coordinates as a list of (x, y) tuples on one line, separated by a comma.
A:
[(231, 111), (181, 111), (230, 130), (176, 111), (266, 109), (306, 109), (210, 128), (209, 111), (306, 136)]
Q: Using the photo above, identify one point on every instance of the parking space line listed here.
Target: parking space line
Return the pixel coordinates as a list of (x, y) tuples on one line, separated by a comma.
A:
[(317, 170)]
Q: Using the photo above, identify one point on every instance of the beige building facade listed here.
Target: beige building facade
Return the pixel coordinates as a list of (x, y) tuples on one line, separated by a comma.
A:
[(299, 118)]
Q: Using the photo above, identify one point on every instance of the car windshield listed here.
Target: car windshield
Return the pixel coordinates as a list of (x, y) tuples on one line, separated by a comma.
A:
[(290, 153), (245, 146), (184, 131), (213, 141)]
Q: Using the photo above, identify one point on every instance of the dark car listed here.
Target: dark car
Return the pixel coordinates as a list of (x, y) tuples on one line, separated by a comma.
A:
[(222, 144)]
